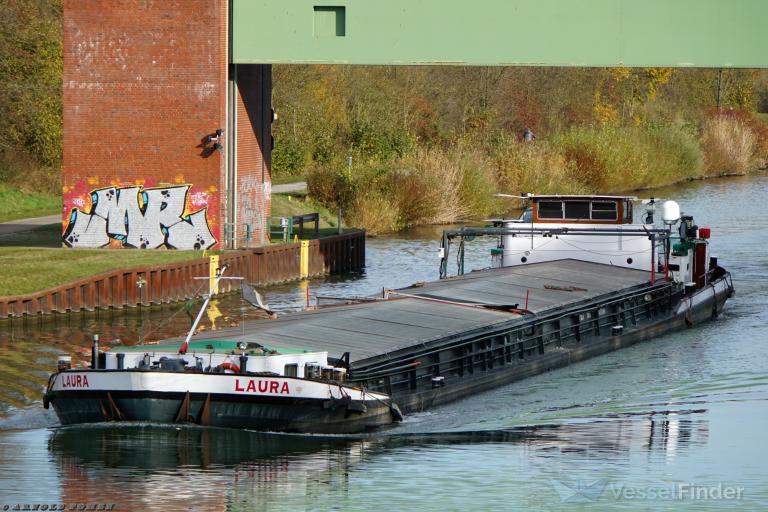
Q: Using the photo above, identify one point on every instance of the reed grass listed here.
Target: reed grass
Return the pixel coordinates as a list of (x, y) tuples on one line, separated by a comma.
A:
[(729, 146), (443, 184)]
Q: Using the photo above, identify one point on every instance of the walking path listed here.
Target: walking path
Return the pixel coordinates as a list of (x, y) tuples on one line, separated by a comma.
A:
[(285, 188), (18, 225)]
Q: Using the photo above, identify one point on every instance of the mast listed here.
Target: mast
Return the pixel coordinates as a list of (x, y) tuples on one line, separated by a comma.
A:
[(185, 344)]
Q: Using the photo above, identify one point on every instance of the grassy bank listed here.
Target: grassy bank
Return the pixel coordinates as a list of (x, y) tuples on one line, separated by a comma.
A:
[(34, 260), (288, 205), (445, 184), (18, 204)]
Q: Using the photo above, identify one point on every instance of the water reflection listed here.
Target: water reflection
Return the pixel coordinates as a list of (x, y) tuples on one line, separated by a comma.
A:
[(135, 465)]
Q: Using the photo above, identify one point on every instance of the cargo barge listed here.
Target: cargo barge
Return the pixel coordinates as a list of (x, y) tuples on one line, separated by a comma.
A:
[(619, 284)]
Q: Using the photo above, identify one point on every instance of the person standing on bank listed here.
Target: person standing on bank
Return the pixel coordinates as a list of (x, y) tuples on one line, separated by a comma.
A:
[(528, 135)]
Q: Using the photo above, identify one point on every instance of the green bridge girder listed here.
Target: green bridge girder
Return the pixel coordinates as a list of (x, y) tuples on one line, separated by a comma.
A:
[(635, 33)]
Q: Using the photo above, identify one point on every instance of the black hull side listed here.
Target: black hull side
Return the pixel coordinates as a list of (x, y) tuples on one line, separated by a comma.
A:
[(272, 414), (704, 306)]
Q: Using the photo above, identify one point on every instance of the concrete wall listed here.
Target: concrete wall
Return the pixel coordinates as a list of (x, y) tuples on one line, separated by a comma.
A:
[(144, 84)]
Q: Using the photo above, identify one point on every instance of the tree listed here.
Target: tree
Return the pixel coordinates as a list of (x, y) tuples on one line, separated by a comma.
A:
[(30, 91)]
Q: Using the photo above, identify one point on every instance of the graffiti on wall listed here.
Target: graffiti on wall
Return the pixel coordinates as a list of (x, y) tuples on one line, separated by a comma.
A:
[(144, 218), (253, 197)]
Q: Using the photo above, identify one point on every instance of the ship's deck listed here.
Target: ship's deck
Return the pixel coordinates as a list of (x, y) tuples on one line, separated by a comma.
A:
[(376, 328)]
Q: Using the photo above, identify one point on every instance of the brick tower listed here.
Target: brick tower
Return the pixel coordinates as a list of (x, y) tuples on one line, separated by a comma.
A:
[(166, 145)]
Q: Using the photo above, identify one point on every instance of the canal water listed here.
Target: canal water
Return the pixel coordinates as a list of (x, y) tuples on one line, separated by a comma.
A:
[(677, 423)]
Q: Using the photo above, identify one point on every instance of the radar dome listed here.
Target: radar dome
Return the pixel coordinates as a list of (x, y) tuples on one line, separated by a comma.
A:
[(670, 212)]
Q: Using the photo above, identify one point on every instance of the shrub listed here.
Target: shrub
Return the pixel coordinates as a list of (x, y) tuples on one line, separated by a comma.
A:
[(758, 128), (374, 211), (377, 144), (436, 186), (401, 142), (430, 186), (441, 185), (605, 158), (361, 191), (335, 185), (288, 158), (324, 150), (537, 168), (24, 172), (478, 184), (673, 154), (729, 146), (426, 189), (614, 158)]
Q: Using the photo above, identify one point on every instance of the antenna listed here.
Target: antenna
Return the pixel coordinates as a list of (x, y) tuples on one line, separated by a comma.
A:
[(650, 210), (219, 277)]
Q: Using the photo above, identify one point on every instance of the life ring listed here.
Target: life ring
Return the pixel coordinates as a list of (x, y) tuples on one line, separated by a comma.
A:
[(229, 365)]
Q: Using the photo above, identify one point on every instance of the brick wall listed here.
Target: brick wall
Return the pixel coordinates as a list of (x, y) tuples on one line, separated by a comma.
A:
[(254, 148), (144, 83)]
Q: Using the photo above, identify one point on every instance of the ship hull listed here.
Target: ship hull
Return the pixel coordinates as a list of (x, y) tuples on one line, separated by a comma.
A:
[(231, 401)]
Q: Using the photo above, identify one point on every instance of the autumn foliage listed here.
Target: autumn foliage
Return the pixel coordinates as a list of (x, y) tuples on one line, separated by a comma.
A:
[(30, 94), (397, 147)]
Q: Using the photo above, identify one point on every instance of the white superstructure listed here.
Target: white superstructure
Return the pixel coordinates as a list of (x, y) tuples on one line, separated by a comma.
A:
[(604, 229), (599, 228)]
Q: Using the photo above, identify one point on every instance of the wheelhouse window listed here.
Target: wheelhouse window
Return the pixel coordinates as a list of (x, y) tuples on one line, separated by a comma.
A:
[(628, 212), (604, 210), (291, 370), (550, 209), (577, 210)]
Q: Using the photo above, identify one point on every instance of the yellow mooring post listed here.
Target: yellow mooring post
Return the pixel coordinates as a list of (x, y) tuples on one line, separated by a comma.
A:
[(304, 258), (213, 288)]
